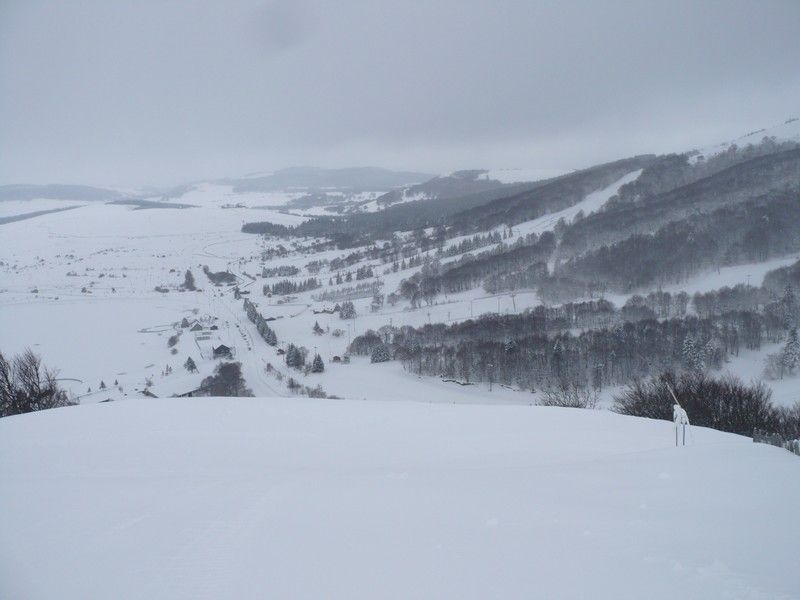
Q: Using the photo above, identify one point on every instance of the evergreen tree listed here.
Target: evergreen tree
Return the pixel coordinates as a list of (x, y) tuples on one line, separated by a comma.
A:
[(348, 311), (295, 357), (788, 307), (380, 354), (693, 355), (377, 302), (317, 366), (188, 281), (790, 357), (190, 366), (291, 356), (102, 384), (317, 329)]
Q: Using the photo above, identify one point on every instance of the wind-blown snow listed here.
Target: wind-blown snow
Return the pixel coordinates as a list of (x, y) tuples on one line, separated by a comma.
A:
[(298, 498)]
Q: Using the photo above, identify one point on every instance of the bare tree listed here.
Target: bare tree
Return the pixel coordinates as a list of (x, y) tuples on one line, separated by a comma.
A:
[(570, 396), (27, 386)]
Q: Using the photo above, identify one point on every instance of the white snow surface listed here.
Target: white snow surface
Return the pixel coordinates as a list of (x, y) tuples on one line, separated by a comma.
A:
[(299, 498)]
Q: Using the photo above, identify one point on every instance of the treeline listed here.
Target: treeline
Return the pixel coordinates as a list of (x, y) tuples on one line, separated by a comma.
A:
[(473, 243), (280, 271), (740, 183), (539, 347), (287, 286), (750, 232), (267, 228), (219, 277), (264, 330), (361, 290), (527, 256), (778, 279), (554, 195), (676, 170), (723, 403)]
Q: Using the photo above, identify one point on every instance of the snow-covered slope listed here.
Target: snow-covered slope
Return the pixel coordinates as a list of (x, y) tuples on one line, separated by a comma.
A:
[(298, 498), (520, 175), (788, 131)]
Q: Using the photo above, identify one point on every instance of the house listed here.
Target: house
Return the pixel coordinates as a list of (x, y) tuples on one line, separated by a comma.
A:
[(196, 327), (214, 328), (222, 351), (337, 359)]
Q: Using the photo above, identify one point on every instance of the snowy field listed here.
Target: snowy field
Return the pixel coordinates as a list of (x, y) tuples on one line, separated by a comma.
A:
[(298, 498)]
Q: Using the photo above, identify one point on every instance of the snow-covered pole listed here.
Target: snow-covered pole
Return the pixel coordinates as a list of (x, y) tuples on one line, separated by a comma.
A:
[(679, 416)]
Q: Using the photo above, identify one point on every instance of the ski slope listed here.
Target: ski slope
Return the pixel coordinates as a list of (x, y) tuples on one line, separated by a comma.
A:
[(299, 498)]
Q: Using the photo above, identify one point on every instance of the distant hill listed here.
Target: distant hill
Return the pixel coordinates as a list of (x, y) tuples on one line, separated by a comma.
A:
[(315, 178), (460, 183), (55, 191)]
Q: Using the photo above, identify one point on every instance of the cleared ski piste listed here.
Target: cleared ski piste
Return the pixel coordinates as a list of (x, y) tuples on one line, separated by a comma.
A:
[(302, 498)]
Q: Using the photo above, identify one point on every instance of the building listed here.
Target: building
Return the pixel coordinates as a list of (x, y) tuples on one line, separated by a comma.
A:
[(222, 351)]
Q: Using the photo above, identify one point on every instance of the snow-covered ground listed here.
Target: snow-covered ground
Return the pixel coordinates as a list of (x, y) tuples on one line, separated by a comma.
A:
[(298, 498), (13, 208)]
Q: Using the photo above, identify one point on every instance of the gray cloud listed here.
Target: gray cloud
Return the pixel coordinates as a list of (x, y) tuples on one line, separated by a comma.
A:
[(281, 25), (160, 92)]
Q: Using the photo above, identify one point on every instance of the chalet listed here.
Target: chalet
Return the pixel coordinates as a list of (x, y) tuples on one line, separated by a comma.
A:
[(222, 351), (196, 327)]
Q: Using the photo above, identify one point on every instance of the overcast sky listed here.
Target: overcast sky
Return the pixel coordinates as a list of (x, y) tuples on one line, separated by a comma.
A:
[(146, 92)]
